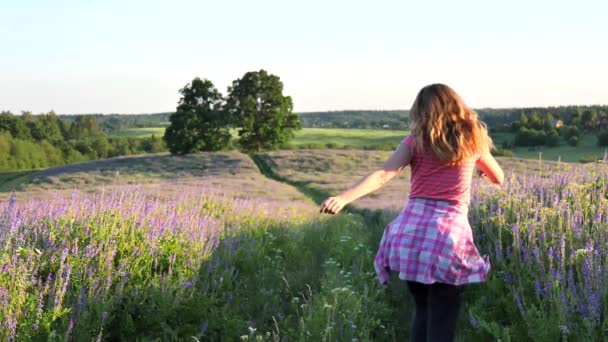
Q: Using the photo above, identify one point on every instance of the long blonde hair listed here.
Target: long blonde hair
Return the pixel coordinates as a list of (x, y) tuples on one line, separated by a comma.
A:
[(442, 122)]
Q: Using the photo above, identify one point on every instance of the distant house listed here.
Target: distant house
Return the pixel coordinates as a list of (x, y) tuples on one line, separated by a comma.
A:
[(558, 123), (385, 126)]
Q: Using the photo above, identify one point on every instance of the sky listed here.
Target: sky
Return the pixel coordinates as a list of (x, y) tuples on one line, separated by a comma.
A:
[(125, 56)]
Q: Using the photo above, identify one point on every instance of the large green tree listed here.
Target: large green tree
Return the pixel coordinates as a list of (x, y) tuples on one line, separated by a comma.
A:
[(199, 123), (263, 115)]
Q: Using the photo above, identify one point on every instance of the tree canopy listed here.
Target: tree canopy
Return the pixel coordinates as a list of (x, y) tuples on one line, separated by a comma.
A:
[(199, 123), (263, 115), (38, 141)]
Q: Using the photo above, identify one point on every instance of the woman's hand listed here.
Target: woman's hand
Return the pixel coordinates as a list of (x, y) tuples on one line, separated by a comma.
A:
[(333, 205)]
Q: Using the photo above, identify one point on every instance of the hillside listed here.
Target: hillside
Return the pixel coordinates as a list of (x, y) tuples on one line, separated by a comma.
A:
[(213, 245), (233, 174), (230, 174)]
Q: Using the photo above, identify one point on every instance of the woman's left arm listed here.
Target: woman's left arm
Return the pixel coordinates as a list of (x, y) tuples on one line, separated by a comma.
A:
[(373, 181)]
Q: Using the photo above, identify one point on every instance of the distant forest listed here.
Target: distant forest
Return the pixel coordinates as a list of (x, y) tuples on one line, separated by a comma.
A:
[(111, 123), (37, 141), (536, 126), (399, 119), (363, 119)]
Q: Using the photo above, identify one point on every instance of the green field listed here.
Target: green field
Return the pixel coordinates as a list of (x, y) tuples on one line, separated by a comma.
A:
[(312, 137), (370, 139), (587, 150), (141, 132), (348, 138)]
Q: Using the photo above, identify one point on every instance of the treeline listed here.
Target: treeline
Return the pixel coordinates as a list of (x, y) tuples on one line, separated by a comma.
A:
[(497, 119), (536, 128), (399, 119), (38, 141), (113, 123), (504, 117), (363, 119)]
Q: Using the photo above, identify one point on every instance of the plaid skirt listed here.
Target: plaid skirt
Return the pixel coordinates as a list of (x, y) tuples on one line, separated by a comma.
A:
[(430, 242)]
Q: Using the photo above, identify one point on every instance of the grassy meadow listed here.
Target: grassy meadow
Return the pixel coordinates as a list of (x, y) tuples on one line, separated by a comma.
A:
[(228, 246), (347, 138), (313, 137), (141, 132)]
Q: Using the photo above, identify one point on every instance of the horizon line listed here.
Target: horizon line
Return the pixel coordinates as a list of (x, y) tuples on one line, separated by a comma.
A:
[(317, 111)]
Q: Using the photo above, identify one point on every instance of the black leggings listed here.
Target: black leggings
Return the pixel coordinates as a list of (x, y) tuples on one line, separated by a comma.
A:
[(437, 308)]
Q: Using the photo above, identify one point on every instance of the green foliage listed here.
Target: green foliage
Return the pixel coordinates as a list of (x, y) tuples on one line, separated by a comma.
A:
[(552, 138), (18, 154), (50, 128), (530, 137), (153, 144), (570, 131), (573, 141), (515, 126), (199, 124), (501, 152), (263, 115), (589, 118), (16, 127), (523, 119), (40, 141), (602, 138), (84, 127)]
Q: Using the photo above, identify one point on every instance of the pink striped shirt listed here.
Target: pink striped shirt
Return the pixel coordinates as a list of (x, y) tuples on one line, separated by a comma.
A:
[(436, 180)]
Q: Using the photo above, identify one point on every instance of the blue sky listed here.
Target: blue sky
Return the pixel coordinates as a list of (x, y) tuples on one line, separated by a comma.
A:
[(133, 56)]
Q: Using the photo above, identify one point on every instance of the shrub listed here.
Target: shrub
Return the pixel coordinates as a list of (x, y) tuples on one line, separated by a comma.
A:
[(602, 138), (570, 131), (573, 141), (552, 138), (501, 152), (530, 137)]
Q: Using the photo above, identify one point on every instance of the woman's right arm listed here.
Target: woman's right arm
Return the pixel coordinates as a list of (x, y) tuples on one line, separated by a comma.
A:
[(488, 165)]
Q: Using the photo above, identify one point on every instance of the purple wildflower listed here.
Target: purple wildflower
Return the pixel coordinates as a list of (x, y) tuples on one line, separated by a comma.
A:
[(537, 288), (518, 302), (474, 323)]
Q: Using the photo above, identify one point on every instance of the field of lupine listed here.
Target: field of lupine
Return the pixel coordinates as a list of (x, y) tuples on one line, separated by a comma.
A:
[(207, 248)]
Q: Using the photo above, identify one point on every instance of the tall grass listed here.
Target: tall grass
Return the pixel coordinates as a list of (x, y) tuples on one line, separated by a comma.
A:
[(547, 237), (129, 266)]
